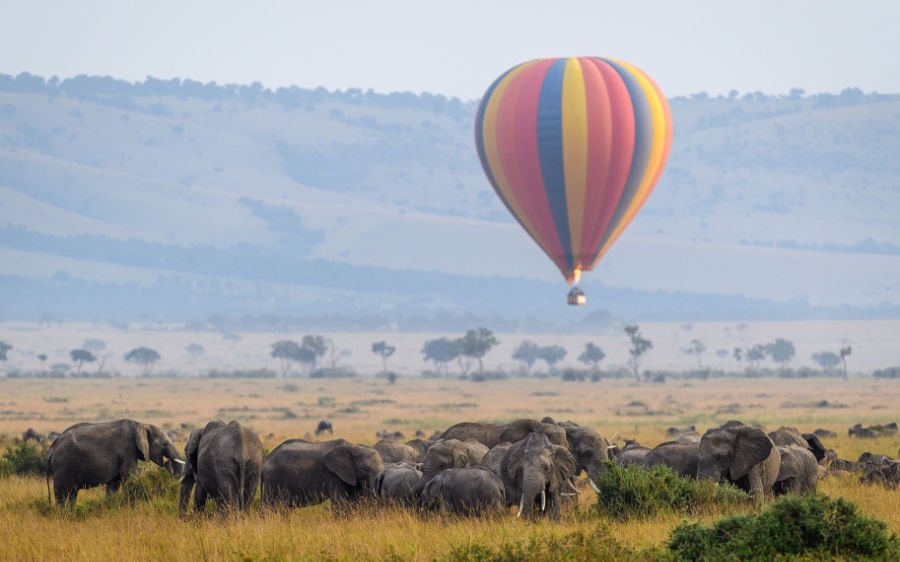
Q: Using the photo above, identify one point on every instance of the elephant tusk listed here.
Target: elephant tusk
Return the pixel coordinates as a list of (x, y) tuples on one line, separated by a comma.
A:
[(567, 494), (543, 500), (572, 485), (611, 446), (179, 461), (594, 486), (521, 507)]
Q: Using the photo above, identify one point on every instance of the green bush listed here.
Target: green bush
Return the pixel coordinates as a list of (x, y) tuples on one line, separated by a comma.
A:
[(595, 545), (633, 491), (23, 459), (811, 526), (155, 483)]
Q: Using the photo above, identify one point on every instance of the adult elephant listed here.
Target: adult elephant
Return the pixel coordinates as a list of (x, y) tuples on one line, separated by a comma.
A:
[(299, 473), (683, 458), (535, 472), (103, 454), (399, 483), (784, 436), (633, 454), (420, 445), (491, 434), (798, 472), (741, 454), (590, 449), (393, 451), (494, 458), (225, 463), (465, 491), (451, 453)]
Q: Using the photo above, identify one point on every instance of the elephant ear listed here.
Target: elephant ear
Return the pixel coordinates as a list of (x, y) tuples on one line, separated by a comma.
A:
[(431, 492), (142, 441), (815, 445), (340, 461), (190, 450), (751, 447), (563, 466)]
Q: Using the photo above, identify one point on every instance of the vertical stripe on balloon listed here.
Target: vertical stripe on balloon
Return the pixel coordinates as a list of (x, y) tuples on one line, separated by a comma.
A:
[(575, 152), (550, 153)]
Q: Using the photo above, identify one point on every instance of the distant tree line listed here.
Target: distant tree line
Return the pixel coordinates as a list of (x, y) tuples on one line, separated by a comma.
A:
[(107, 90)]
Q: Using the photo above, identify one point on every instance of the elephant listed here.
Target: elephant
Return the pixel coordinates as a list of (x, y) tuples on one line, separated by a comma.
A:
[(798, 472), (393, 451), (298, 473), (741, 454), (491, 434), (674, 432), (633, 454), (682, 458), (419, 445), (494, 457), (537, 472), (399, 483), (31, 434), (385, 434), (784, 436), (94, 454), (225, 463), (324, 427), (590, 449), (823, 433), (451, 453), (465, 491)]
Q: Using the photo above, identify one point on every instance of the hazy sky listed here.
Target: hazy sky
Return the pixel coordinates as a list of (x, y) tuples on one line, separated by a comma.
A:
[(458, 47)]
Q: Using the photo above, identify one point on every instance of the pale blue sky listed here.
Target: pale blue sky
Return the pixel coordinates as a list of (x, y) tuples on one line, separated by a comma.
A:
[(458, 48)]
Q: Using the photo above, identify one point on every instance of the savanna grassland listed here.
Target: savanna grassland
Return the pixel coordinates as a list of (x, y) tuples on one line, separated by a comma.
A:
[(282, 408)]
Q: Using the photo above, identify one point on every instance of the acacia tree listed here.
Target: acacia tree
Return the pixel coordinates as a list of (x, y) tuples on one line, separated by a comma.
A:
[(592, 355), (696, 348), (781, 350), (441, 351), (738, 355), (145, 357), (552, 354), (476, 343), (385, 350), (827, 359), (639, 346), (4, 348), (527, 352), (721, 353), (845, 351), (80, 357), (287, 352), (756, 354)]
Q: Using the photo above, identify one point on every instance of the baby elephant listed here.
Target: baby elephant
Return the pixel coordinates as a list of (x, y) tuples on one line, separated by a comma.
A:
[(465, 491), (225, 462)]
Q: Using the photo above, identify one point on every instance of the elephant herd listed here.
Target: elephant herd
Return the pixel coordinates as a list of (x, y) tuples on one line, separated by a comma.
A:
[(470, 468)]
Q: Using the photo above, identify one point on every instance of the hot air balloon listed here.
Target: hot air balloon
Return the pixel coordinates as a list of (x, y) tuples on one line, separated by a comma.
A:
[(573, 147)]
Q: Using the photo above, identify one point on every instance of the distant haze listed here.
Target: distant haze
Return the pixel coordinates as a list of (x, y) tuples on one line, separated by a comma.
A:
[(457, 48)]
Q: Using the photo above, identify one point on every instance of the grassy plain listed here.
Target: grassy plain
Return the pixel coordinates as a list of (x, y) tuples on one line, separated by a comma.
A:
[(279, 409)]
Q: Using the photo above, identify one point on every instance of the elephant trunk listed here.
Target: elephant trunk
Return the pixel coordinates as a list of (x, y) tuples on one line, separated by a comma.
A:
[(532, 489)]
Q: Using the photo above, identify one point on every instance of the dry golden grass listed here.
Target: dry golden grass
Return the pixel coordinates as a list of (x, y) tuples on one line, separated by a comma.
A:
[(152, 531)]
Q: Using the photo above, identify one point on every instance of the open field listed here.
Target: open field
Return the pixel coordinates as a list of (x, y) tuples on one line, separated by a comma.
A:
[(279, 409), (874, 345)]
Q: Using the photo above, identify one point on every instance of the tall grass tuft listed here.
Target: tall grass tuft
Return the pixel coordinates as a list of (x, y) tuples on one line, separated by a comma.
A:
[(810, 526), (628, 492)]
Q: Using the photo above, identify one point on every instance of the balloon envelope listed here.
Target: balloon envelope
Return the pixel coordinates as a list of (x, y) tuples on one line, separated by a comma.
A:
[(573, 147)]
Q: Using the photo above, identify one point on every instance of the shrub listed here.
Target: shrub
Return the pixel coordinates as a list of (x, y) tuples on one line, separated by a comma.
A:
[(150, 484), (633, 491), (889, 373), (333, 373), (810, 526), (598, 544), (23, 459)]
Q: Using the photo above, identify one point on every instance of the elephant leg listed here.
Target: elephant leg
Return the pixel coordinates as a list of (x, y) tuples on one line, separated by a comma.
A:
[(200, 496), (65, 495), (113, 486)]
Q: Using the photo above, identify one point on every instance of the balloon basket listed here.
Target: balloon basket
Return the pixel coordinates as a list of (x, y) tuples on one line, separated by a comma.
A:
[(576, 297)]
